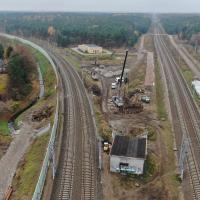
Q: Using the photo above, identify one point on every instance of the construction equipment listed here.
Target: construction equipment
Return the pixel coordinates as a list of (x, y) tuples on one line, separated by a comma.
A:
[(114, 85), (44, 113), (118, 100), (136, 91), (106, 146), (145, 99), (133, 104), (119, 80), (123, 68)]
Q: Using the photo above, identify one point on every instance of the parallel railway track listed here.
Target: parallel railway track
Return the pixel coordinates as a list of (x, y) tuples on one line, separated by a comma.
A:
[(185, 112), (77, 175)]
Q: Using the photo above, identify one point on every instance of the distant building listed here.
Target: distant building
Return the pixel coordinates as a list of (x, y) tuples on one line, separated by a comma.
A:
[(128, 154), (90, 48)]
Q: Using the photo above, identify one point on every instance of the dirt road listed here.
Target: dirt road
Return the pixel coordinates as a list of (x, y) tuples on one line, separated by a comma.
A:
[(9, 162)]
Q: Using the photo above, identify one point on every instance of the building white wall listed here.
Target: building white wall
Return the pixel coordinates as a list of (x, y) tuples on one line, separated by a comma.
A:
[(133, 162), (90, 50), (196, 86)]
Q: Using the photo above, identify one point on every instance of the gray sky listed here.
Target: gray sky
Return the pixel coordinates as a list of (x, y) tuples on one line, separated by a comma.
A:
[(102, 5)]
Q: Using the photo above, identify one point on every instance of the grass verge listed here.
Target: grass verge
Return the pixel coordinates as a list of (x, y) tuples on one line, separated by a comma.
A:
[(73, 60), (169, 167), (47, 74), (4, 131), (29, 168), (137, 76), (161, 110), (103, 127)]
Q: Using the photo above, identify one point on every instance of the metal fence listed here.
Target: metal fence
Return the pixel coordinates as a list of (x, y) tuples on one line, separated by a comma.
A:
[(43, 173), (40, 184)]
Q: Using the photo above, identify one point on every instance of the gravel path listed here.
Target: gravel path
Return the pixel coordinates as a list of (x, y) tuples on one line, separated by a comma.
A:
[(9, 162)]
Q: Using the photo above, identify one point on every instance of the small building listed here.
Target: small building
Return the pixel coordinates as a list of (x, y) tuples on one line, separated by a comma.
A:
[(196, 87), (90, 48), (128, 154)]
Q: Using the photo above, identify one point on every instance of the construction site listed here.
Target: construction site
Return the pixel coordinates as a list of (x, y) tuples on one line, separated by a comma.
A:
[(100, 106), (125, 106)]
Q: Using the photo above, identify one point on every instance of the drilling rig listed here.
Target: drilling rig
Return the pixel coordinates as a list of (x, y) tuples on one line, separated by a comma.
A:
[(125, 103), (118, 100)]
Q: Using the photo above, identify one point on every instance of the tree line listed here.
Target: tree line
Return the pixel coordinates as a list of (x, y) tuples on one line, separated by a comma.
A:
[(186, 26), (107, 30)]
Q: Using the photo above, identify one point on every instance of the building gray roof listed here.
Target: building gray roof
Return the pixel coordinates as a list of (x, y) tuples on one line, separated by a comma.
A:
[(129, 147)]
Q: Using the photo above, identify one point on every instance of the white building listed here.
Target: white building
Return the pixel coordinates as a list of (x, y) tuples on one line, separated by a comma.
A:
[(196, 86), (90, 48), (128, 154)]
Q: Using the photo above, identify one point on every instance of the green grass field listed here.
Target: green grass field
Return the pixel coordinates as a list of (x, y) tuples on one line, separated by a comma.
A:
[(28, 171), (47, 74), (161, 110), (4, 128)]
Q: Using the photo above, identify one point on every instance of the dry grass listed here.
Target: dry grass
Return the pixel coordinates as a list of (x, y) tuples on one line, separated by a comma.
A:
[(104, 129), (148, 43), (137, 76), (160, 102), (3, 83)]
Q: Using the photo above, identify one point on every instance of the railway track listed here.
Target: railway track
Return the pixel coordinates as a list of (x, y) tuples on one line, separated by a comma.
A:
[(77, 172), (185, 112)]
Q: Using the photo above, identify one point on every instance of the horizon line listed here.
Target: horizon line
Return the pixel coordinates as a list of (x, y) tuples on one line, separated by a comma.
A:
[(117, 12)]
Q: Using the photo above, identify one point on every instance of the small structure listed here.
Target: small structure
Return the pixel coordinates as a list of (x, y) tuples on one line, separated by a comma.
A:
[(128, 154), (196, 87), (90, 48)]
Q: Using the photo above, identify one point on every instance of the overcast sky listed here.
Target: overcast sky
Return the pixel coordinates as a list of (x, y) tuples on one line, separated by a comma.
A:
[(102, 5)]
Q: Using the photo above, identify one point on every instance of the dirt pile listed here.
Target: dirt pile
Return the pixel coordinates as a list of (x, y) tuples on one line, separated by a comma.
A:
[(44, 113)]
